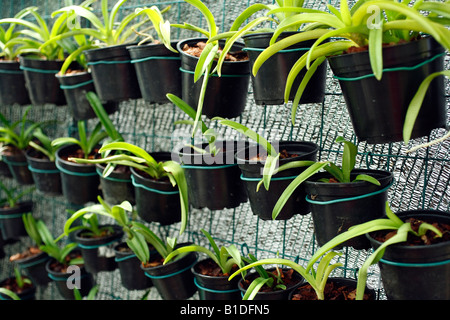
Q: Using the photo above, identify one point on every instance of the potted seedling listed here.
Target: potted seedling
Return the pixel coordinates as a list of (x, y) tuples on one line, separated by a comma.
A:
[(269, 83), (12, 208), (416, 248), (21, 287), (16, 137), (258, 164), (160, 184), (174, 280), (82, 175), (41, 158), (32, 260), (342, 196), (65, 267), (380, 43), (211, 274), (210, 167)]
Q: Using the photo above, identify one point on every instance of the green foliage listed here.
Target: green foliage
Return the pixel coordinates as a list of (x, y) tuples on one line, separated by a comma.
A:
[(30, 224), (45, 144), (225, 257), (9, 293), (91, 295), (13, 195)]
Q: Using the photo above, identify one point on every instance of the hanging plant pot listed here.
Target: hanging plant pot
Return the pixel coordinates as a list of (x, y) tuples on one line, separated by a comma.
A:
[(46, 176), (98, 252), (338, 206), (270, 81), (27, 292), (156, 200), (117, 186), (150, 62), (11, 223), (377, 109), (66, 278), (33, 262), (79, 182), (18, 165), (415, 270), (40, 80), (174, 280), (75, 86), (131, 273), (291, 280), (226, 96), (214, 287), (336, 289), (12, 84), (263, 201), (213, 181), (113, 74)]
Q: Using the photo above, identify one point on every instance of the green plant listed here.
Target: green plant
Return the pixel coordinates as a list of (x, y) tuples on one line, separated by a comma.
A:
[(44, 145), (138, 158), (91, 295), (316, 278), (225, 257), (9, 293), (20, 281), (367, 24), (86, 142), (391, 222), (341, 174), (30, 224), (13, 195)]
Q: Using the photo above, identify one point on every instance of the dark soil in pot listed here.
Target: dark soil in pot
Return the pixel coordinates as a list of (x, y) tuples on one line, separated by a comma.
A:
[(98, 250), (213, 181), (46, 176), (212, 284), (262, 202), (75, 84), (27, 292), (336, 289), (11, 223), (418, 268), (290, 278), (117, 186), (42, 85), (378, 108), (270, 81), (18, 165), (79, 182), (113, 74), (151, 61), (12, 84), (226, 96), (335, 206), (33, 261)]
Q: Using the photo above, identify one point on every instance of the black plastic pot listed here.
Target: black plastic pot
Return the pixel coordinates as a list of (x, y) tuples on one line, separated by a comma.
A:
[(215, 287), (41, 83), (174, 280), (226, 96), (65, 282), (11, 223), (340, 282), (151, 61), (113, 74), (338, 206), (27, 294), (117, 186), (34, 268), (98, 253), (75, 86), (4, 169), (276, 294), (131, 273), (156, 200), (213, 181), (270, 81), (18, 166), (12, 84), (79, 181), (378, 108), (263, 201), (46, 176), (412, 272)]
